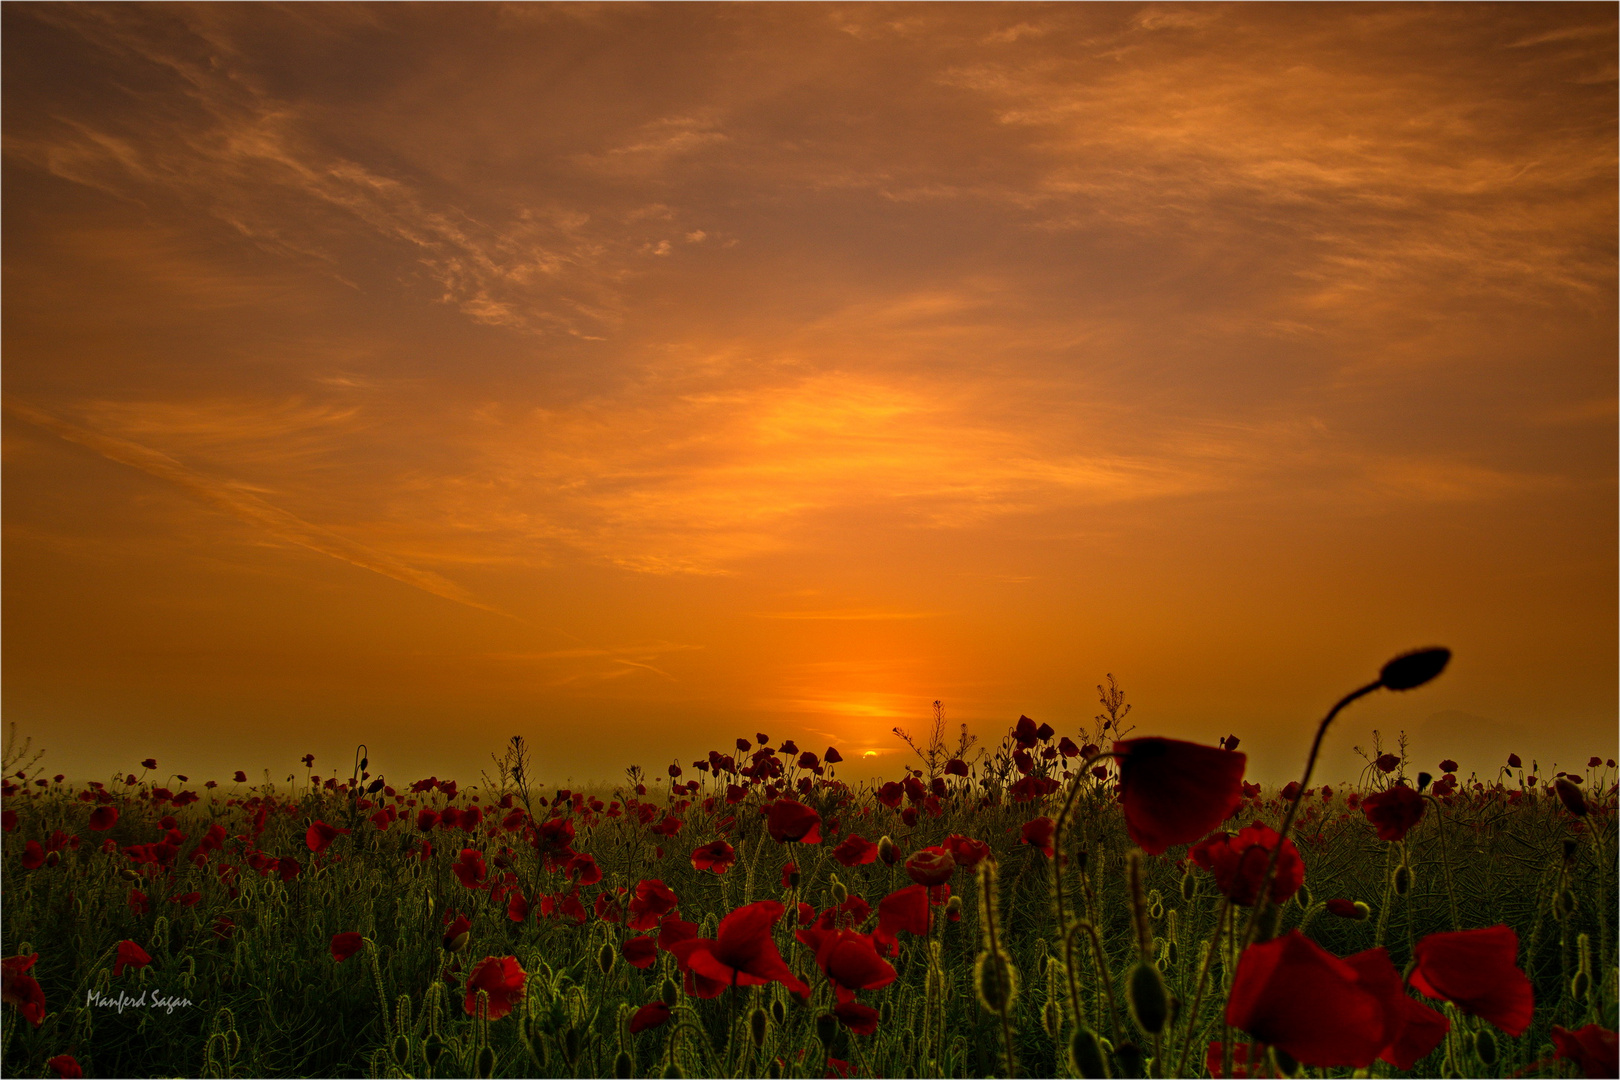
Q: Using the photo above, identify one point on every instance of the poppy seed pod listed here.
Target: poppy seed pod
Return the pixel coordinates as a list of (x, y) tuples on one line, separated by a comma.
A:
[(837, 891), (756, 1026), (1304, 896), (1579, 985), (1086, 1055), (953, 907), (1150, 1004), (624, 1065), (1411, 670)]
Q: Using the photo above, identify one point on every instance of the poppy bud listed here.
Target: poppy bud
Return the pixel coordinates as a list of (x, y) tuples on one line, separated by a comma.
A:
[(673, 1071), (1564, 906), (1579, 985), (1571, 797), (1085, 1054), (826, 1028), (1286, 1065), (1156, 912), (1570, 848), (885, 1012), (953, 907), (1051, 1020), (1304, 896), (995, 981), (1411, 670), (570, 1045), (779, 1012), (1189, 885), (1424, 780), (52, 858), (774, 1071), (129, 875), (1485, 1047), (888, 852), (624, 1066), (756, 1026), (669, 993), (459, 942), (432, 1050), (365, 763), (1403, 879), (1363, 907), (1129, 1056), (837, 890), (484, 1064), (1149, 1003), (793, 879), (1170, 953), (604, 957)]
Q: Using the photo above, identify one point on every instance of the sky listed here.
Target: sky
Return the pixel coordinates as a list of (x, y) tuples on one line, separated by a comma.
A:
[(633, 378)]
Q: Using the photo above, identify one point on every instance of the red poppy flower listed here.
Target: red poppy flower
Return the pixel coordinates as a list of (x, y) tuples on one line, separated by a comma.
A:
[(189, 899), (793, 822), (502, 978), (457, 927), (742, 952), (674, 930), (1594, 1050), (149, 763), (288, 868), (33, 856), (653, 1014), (103, 818), (1477, 970), (1038, 833), (956, 767), (1325, 1011), (967, 852), (852, 963), (860, 1019), (129, 955), (1448, 766), (1174, 792), (1239, 862), (517, 908), (346, 944), (652, 901), (137, 902), (1393, 812), (1570, 796), (1514, 762), (931, 866), (469, 868), (1215, 1054), (66, 1067), (320, 836), (716, 856), (640, 951), (856, 851), (905, 909), (1024, 732), (1345, 909), (832, 756), (19, 989), (1387, 762)]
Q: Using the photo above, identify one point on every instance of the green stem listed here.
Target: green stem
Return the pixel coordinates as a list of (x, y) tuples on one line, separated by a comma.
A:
[(1198, 994)]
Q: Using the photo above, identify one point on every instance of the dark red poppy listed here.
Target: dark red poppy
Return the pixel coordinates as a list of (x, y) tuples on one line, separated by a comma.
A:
[(967, 852), (674, 930), (1387, 762), (189, 899), (469, 868), (742, 952), (653, 1014), (1067, 748), (1038, 834), (852, 963), (1345, 909), (129, 955), (1174, 792), (20, 989), (67, 1068), (716, 856), (931, 866), (640, 951), (149, 763), (1570, 796), (652, 901), (793, 822), (502, 978), (860, 1019), (517, 908), (454, 930), (856, 851), (1025, 732), (137, 902), (956, 767), (103, 818), (33, 856), (1328, 1012), (320, 836), (346, 944), (1477, 970), (1393, 812), (1514, 762), (1448, 766), (905, 909), (1215, 1054), (288, 869), (1595, 1050), (832, 756), (1239, 862)]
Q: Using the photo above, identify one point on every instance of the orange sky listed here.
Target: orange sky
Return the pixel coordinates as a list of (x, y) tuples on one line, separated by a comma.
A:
[(637, 377)]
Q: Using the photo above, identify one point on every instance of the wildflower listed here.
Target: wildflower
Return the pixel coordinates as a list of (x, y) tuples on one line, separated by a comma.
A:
[(1514, 762), (320, 836), (855, 851), (1239, 862), (137, 902), (640, 951), (1038, 833), (1477, 970), (793, 822), (346, 944), (931, 866), (1387, 762), (1594, 1050), (502, 978), (129, 955), (716, 856), (103, 818), (905, 909), (1174, 792), (832, 756), (149, 764), (652, 901), (742, 952), (956, 767), (455, 933), (20, 989), (1025, 733), (851, 963), (67, 1068), (860, 1019), (1570, 796), (653, 1014), (1393, 812), (469, 868), (1448, 766)]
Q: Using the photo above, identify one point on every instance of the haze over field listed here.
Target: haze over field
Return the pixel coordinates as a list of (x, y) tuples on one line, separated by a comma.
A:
[(638, 377)]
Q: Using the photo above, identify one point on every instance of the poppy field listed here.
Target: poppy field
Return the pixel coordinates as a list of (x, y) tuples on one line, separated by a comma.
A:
[(1084, 903)]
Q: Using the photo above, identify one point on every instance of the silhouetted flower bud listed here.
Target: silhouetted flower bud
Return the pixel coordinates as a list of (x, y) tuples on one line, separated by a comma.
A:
[(1403, 879), (604, 958), (779, 1012), (1571, 797), (1150, 1004), (756, 1026), (668, 992), (1413, 669), (826, 1028), (624, 1066), (1424, 780), (1085, 1054), (1485, 1047), (484, 1063)]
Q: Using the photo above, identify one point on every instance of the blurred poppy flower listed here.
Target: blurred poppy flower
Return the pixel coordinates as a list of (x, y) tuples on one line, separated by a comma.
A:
[(652, 901), (967, 852), (1345, 909), (320, 836), (673, 930), (103, 818), (1477, 970), (860, 1019), (956, 767), (640, 951), (716, 856), (931, 866), (1024, 732), (793, 822), (517, 908), (137, 902), (1239, 862), (469, 868), (1067, 748), (1038, 833), (1514, 762), (33, 856), (1393, 812), (653, 1014), (856, 851), (1448, 766), (1595, 1050), (1174, 792), (129, 955), (832, 756), (20, 989), (1387, 762), (1570, 796), (852, 963), (453, 930), (346, 944), (288, 869), (1215, 1054), (149, 763), (905, 909), (189, 899), (742, 952), (502, 978), (67, 1068)]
